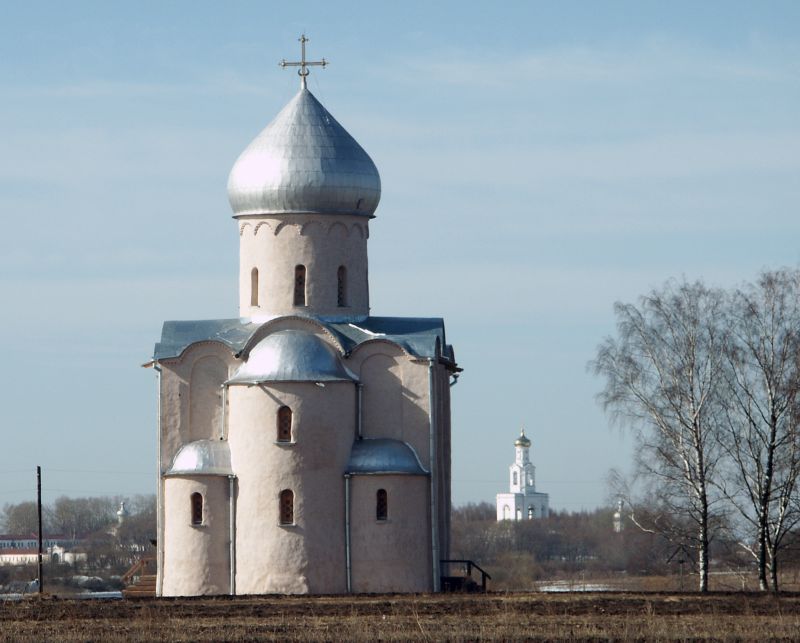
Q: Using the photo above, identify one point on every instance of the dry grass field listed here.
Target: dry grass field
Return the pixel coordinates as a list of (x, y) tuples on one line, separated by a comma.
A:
[(453, 617)]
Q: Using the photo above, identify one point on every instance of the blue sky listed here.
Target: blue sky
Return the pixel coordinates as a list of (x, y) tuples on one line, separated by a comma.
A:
[(539, 162)]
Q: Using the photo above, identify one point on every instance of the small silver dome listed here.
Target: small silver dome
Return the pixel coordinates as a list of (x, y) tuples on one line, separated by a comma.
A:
[(304, 161), (202, 457), (383, 456), (292, 356)]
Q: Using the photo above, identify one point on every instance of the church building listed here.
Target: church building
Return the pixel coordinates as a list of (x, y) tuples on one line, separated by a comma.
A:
[(522, 502), (304, 444)]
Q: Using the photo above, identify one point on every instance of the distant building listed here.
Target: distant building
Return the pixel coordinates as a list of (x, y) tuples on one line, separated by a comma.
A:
[(522, 502), (618, 518), (30, 555), (13, 541)]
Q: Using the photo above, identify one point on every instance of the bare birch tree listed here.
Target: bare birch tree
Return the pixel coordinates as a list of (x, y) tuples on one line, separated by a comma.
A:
[(762, 396), (662, 374)]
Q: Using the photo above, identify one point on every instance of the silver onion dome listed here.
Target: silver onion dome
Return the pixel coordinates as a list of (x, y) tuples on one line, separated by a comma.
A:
[(292, 356), (304, 161), (202, 457)]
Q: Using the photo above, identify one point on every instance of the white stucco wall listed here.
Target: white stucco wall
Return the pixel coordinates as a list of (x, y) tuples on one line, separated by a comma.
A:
[(394, 395), (196, 556), (309, 556), (276, 244), (191, 401), (392, 555)]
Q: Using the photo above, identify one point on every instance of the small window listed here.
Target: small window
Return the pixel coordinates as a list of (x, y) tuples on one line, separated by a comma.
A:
[(254, 287), (299, 285), (530, 513), (382, 505), (514, 477), (341, 286), (286, 507), (284, 424), (197, 509)]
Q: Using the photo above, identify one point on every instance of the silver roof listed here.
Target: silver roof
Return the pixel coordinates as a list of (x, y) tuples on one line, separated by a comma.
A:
[(292, 356), (203, 457), (383, 455), (304, 161), (418, 336)]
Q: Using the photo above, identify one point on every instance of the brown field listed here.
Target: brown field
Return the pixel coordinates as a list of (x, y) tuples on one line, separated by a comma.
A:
[(455, 617)]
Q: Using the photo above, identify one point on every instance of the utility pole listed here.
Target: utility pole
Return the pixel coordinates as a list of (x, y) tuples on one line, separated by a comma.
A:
[(39, 512)]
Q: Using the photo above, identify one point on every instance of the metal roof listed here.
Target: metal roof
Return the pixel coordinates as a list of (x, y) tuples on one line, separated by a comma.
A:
[(417, 336), (383, 455), (304, 161), (177, 336), (292, 356), (203, 457)]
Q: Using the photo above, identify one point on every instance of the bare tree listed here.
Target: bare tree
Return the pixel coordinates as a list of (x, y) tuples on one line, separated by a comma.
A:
[(20, 519), (662, 374), (762, 439)]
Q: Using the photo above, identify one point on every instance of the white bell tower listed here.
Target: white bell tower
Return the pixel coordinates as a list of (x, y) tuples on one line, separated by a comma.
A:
[(522, 502), (522, 474)]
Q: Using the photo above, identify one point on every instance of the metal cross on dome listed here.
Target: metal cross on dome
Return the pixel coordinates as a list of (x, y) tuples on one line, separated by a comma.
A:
[(303, 64)]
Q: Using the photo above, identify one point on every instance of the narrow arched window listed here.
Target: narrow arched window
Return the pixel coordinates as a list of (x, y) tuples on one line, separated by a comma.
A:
[(381, 505), (286, 507), (530, 513), (299, 285), (284, 424), (341, 286), (254, 287), (506, 512), (197, 509), (514, 477)]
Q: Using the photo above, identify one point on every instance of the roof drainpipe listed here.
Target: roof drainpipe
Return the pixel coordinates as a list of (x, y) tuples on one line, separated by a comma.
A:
[(222, 418), (232, 531), (348, 566), (359, 398), (434, 481), (159, 489)]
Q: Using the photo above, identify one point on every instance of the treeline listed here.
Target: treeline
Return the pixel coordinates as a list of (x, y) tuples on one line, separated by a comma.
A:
[(570, 546), (708, 381), (110, 547), (518, 553)]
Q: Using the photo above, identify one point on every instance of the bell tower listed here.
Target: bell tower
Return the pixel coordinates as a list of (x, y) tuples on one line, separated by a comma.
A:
[(522, 474)]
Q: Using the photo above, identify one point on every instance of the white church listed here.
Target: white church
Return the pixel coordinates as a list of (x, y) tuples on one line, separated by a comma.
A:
[(522, 502), (304, 444)]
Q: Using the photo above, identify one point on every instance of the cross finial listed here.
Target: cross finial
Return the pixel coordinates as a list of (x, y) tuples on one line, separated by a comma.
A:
[(303, 64)]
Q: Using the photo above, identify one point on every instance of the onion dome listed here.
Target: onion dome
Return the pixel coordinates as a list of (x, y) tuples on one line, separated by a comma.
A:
[(292, 356), (384, 456), (202, 457), (304, 161), (522, 440), (122, 512)]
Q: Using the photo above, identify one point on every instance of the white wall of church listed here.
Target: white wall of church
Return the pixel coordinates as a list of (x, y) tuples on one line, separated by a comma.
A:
[(392, 555), (307, 556), (274, 245), (206, 364), (394, 395), (196, 556)]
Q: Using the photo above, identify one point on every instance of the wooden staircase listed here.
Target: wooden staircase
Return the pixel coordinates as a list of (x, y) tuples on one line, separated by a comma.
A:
[(140, 579), (462, 582)]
